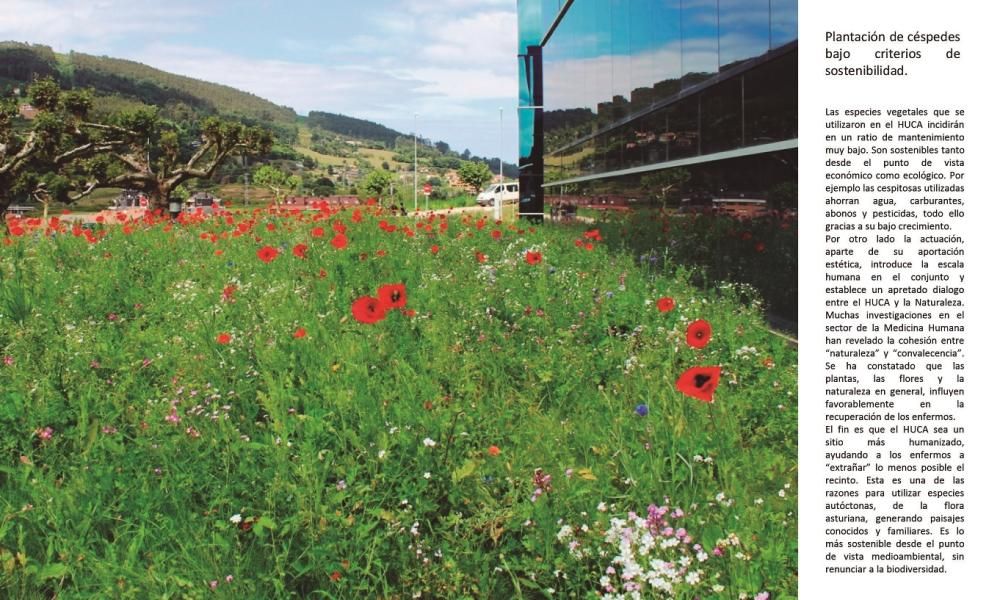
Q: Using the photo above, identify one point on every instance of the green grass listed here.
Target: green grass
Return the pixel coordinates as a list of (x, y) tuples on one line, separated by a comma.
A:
[(385, 459)]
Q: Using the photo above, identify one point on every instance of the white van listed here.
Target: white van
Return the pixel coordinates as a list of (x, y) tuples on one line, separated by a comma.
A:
[(508, 192)]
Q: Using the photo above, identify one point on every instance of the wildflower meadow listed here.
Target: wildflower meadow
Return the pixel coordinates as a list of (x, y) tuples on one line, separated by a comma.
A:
[(339, 403)]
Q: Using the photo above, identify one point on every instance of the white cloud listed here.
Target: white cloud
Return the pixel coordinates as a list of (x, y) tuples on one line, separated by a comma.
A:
[(91, 26), (586, 82), (303, 86), (447, 100), (382, 61)]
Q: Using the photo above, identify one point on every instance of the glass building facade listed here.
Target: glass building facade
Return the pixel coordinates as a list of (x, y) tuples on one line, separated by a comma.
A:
[(616, 89)]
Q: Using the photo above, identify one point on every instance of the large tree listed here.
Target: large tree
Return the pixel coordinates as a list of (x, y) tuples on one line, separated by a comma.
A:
[(156, 158), (377, 183), (475, 175), (280, 183), (62, 155), (31, 153)]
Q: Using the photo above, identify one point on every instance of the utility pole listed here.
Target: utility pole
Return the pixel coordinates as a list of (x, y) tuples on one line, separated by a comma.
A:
[(416, 206), (498, 208), (246, 183)]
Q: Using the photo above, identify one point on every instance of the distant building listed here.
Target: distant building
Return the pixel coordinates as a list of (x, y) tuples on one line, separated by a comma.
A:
[(130, 199), (453, 179), (27, 111), (202, 200)]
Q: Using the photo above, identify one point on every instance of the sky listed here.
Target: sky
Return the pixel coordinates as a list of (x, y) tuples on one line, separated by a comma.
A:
[(453, 63)]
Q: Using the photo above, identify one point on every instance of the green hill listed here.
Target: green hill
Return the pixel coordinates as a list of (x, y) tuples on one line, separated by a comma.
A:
[(352, 127), (133, 81), (331, 152)]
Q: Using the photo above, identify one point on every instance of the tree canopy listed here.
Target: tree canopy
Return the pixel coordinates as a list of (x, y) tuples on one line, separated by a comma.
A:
[(280, 183), (377, 183), (157, 156), (64, 156), (475, 175), (31, 154)]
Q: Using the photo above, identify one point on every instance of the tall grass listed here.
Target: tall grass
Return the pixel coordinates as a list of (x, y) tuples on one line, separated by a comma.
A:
[(180, 418)]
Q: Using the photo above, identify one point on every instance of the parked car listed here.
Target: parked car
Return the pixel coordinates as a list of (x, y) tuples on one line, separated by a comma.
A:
[(506, 193)]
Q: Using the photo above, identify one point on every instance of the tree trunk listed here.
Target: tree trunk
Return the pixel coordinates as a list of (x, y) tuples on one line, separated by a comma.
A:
[(4, 203), (159, 197)]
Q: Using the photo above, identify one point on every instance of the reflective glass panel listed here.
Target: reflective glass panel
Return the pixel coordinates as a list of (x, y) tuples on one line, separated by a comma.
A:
[(655, 48), (784, 22), (699, 40), (744, 30), (721, 117), (682, 128), (771, 102)]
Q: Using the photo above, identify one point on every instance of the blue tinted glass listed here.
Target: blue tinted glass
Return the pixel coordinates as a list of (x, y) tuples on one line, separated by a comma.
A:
[(655, 51), (569, 56), (699, 40), (610, 61), (784, 22), (529, 24), (621, 76), (744, 30)]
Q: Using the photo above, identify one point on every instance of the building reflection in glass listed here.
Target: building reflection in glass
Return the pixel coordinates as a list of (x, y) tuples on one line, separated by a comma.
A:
[(633, 83)]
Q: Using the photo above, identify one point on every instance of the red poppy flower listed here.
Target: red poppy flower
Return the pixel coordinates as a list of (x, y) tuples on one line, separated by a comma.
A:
[(532, 258), (497, 234), (759, 247), (339, 241), (435, 249), (665, 304), (300, 250), (699, 333), (224, 338), (480, 257), (368, 310), (318, 232), (494, 451), (392, 295), (299, 333), (699, 382), (267, 254)]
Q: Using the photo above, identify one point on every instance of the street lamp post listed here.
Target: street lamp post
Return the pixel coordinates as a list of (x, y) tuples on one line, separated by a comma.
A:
[(498, 208), (416, 206)]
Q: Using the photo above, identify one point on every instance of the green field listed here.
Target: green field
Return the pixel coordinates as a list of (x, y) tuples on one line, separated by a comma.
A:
[(351, 405)]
